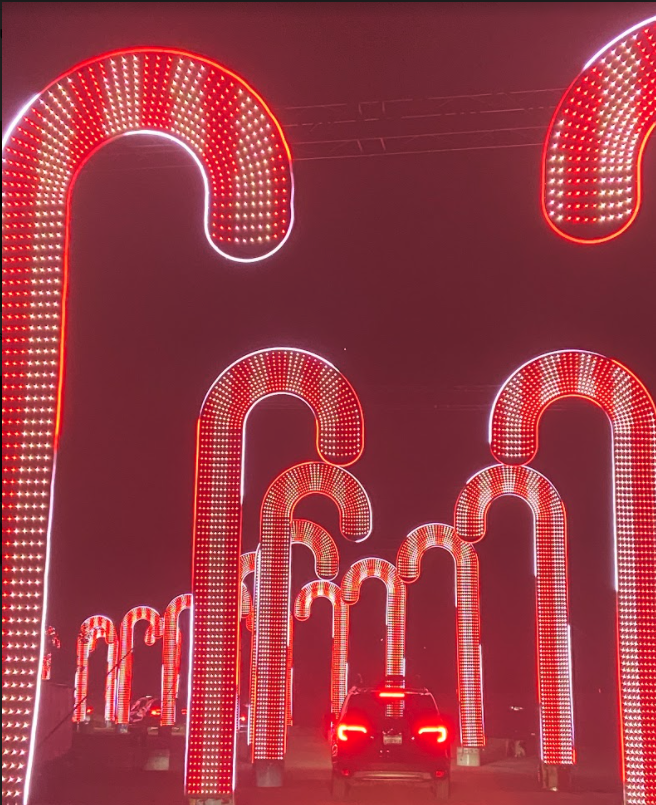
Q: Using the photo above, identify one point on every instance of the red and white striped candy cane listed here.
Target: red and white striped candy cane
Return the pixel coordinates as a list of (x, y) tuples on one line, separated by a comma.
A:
[(592, 160), (551, 591), (126, 648), (94, 628), (468, 617), (273, 605), (245, 165), (340, 634), (395, 610), (217, 534), (514, 427), (172, 656)]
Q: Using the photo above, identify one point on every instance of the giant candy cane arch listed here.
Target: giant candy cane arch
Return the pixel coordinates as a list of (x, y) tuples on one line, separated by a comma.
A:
[(126, 647), (468, 617), (592, 160), (220, 460), (172, 656), (514, 427), (375, 568), (273, 605), (94, 628), (551, 591), (245, 166), (340, 632)]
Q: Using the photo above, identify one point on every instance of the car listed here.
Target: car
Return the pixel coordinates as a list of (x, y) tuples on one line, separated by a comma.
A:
[(390, 733)]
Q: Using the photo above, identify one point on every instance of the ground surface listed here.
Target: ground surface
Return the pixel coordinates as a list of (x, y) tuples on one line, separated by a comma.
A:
[(108, 769)]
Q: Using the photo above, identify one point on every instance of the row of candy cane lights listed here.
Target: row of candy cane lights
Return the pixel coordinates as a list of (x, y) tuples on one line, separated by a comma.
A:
[(553, 636), (513, 430)]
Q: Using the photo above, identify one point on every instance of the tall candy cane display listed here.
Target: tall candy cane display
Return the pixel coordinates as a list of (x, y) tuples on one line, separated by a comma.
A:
[(94, 628), (591, 166), (217, 538), (374, 568), (246, 170), (172, 656), (340, 632), (514, 428), (551, 591), (273, 594), (468, 617), (126, 648)]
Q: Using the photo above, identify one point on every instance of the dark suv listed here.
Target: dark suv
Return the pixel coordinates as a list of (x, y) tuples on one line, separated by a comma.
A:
[(390, 734)]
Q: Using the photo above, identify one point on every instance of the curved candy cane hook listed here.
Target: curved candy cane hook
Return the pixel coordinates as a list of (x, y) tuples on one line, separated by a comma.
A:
[(591, 164), (339, 655), (375, 568), (217, 539), (126, 640), (245, 165), (551, 592), (94, 628), (247, 608), (322, 545), (514, 426), (172, 656), (272, 584), (468, 617)]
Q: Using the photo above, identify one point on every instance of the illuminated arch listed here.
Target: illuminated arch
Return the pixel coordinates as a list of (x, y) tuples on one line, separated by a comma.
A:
[(591, 165), (273, 605), (374, 568), (551, 590), (94, 628), (126, 647), (514, 426), (172, 656), (53, 643), (246, 170), (217, 540), (339, 655), (468, 617)]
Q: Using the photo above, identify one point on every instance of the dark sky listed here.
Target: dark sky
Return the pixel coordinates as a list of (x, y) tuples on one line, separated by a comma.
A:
[(427, 279)]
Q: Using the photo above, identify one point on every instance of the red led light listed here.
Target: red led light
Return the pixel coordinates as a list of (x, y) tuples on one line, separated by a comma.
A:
[(217, 540), (272, 633), (246, 170), (468, 617), (440, 732), (172, 655), (591, 166), (52, 643), (94, 628), (551, 591), (343, 730), (514, 427), (126, 640), (391, 694)]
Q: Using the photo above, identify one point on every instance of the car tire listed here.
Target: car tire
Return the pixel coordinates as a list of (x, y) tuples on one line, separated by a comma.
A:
[(441, 789), (339, 788)]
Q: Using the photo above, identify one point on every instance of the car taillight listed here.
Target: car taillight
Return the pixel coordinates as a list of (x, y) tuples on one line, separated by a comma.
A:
[(90, 709), (391, 694), (344, 729), (440, 732), (155, 711), (183, 711)]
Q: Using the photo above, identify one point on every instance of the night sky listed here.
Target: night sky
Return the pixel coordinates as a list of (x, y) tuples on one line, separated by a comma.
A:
[(426, 279)]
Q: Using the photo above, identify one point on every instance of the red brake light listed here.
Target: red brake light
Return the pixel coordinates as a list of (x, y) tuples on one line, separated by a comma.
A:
[(344, 729), (184, 711), (155, 711), (441, 733), (90, 709), (391, 694)]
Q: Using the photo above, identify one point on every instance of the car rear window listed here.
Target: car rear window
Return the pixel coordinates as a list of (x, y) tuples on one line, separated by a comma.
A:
[(376, 711)]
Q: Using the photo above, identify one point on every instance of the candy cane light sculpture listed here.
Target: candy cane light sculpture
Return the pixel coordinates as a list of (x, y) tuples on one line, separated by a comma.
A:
[(217, 538), (514, 427), (340, 632), (53, 643), (245, 165), (153, 633), (172, 656), (468, 618), (375, 568), (94, 628), (273, 595), (592, 160), (551, 592)]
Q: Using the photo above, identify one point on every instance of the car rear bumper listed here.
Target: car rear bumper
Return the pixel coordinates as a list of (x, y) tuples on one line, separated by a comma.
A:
[(393, 772)]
